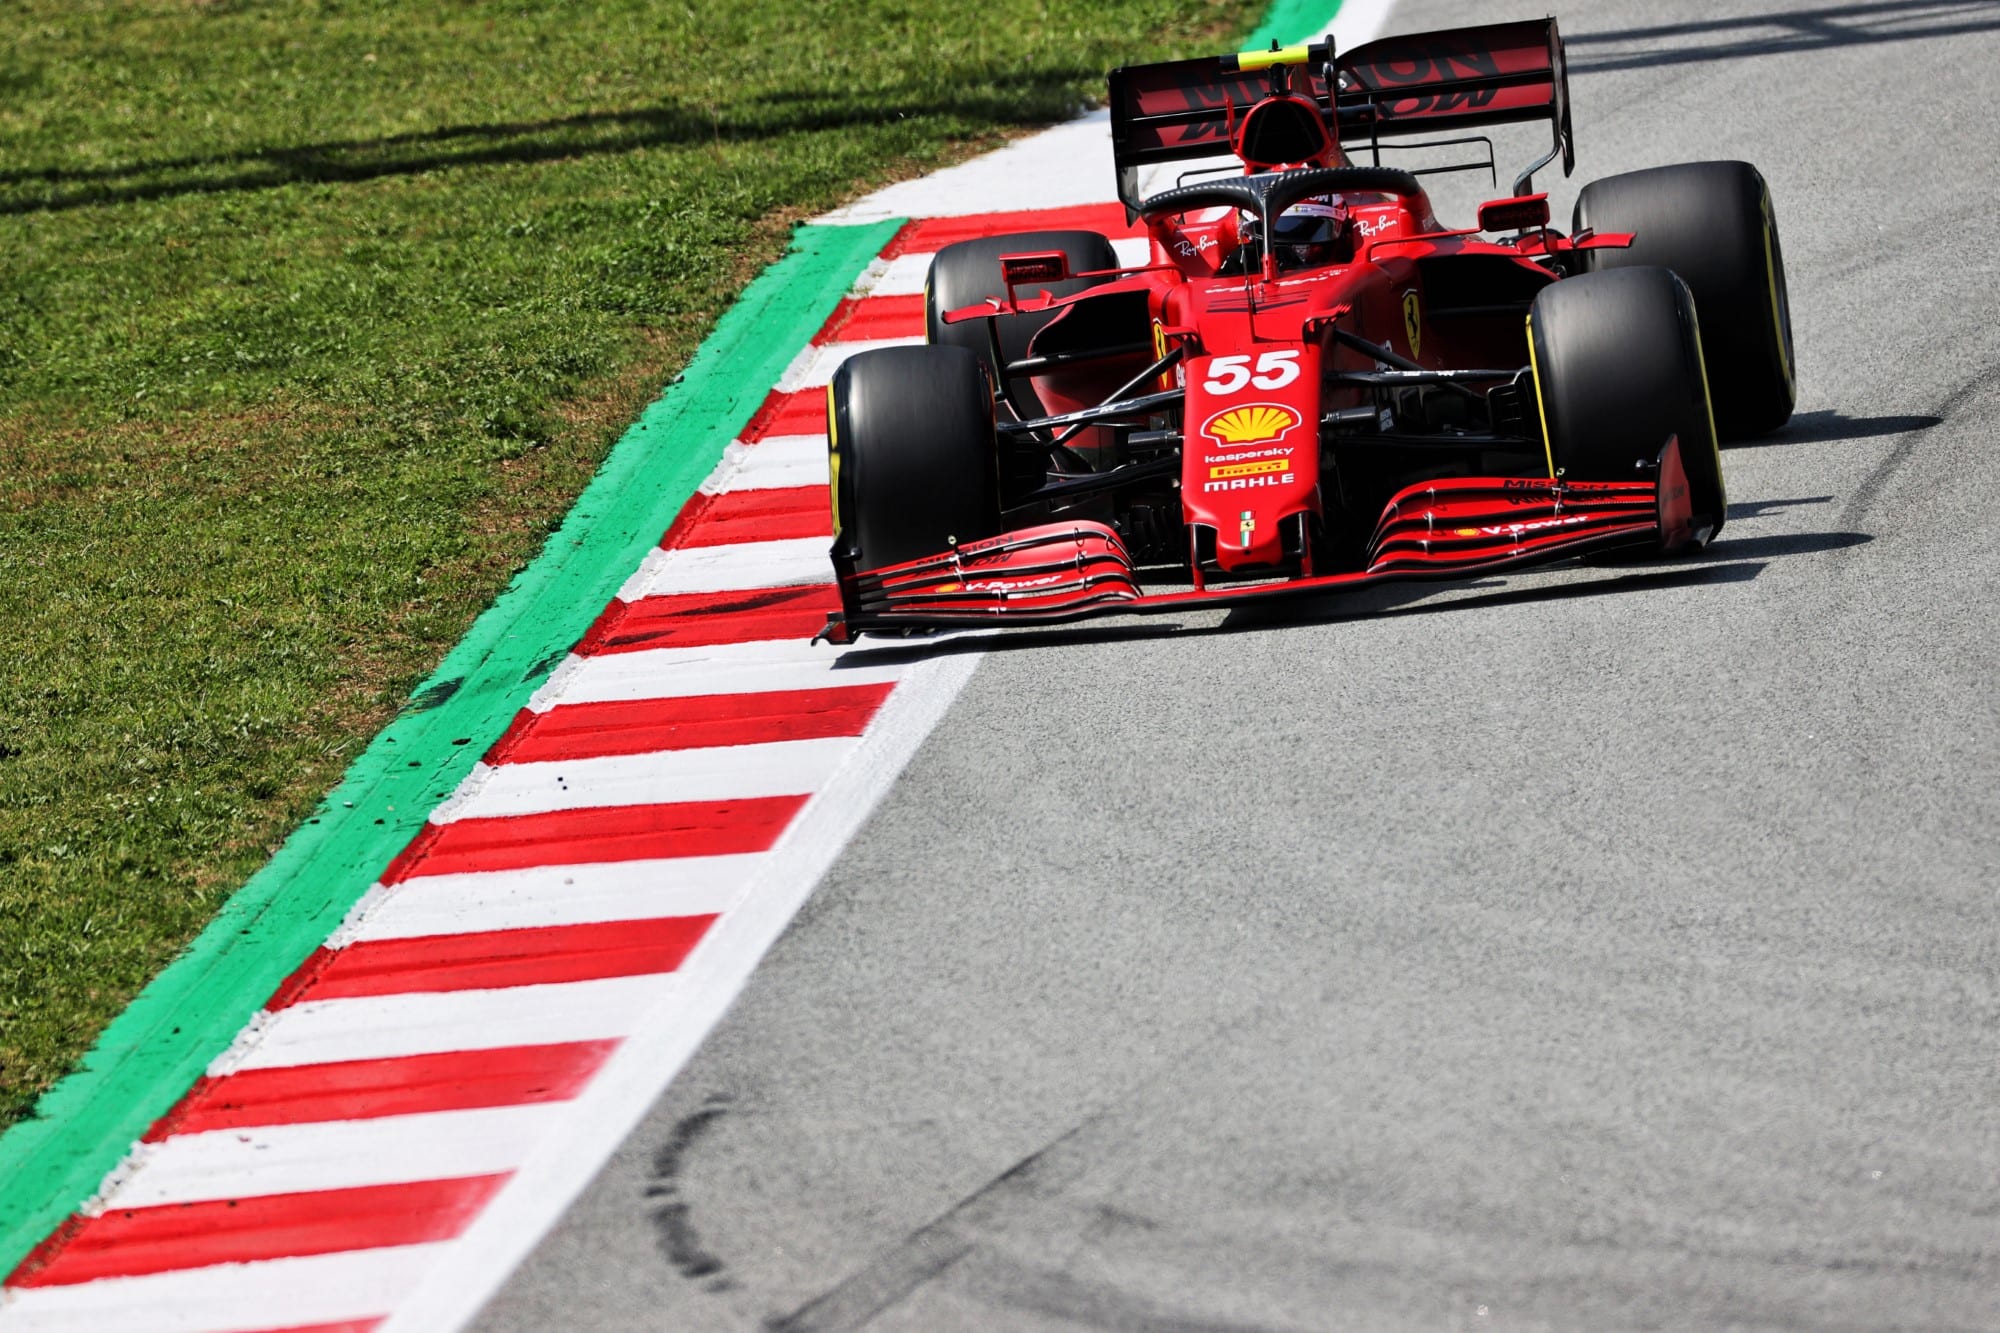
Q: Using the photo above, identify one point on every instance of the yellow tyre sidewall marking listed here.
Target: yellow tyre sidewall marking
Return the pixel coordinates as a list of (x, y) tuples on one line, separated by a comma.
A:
[(1777, 309), (833, 460), (1708, 407), (1541, 409)]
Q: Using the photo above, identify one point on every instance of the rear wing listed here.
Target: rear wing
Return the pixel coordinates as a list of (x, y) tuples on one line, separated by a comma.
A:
[(1495, 74), (1420, 83)]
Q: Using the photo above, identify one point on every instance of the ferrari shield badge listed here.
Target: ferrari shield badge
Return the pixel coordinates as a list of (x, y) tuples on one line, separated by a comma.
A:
[(1413, 323)]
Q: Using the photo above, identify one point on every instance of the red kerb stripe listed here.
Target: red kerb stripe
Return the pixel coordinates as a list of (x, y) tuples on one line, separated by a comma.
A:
[(753, 516), (800, 413), (648, 726), (859, 319), (404, 1085), (706, 619), (595, 836), (928, 234), (129, 1242), (491, 959)]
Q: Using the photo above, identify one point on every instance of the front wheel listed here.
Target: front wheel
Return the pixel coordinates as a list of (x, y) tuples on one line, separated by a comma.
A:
[(1713, 224), (915, 463), (1618, 368)]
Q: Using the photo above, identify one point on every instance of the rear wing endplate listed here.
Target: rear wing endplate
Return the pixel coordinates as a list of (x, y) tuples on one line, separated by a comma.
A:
[(1419, 83), (1180, 109)]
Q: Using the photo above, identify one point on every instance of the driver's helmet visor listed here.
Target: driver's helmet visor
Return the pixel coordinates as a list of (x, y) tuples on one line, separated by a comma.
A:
[(1308, 224)]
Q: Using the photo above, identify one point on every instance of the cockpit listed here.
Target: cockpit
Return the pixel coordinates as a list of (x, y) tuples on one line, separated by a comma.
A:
[(1280, 134)]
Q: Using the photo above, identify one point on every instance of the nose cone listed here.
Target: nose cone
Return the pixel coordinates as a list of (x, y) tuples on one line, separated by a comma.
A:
[(1250, 460)]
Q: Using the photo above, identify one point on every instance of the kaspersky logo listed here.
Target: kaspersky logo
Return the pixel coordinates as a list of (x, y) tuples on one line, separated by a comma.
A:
[(1252, 423)]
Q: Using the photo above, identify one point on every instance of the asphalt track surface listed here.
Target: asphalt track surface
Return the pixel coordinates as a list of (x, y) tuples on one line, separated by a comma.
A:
[(1596, 948)]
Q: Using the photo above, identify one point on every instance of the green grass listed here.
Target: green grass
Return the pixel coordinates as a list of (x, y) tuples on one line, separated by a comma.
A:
[(313, 319)]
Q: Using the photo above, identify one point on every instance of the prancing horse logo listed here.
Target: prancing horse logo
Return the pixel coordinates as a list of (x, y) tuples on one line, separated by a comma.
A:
[(1413, 323)]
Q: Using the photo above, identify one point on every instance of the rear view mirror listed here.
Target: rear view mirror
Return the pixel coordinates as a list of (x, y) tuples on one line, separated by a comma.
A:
[(1526, 213), (1041, 266)]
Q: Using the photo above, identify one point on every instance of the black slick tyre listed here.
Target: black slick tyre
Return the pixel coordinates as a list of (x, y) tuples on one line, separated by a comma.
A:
[(914, 459), (1618, 368), (969, 272), (1712, 223)]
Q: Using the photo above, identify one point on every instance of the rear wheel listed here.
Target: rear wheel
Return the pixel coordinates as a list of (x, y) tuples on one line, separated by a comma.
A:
[(914, 459), (969, 272), (1618, 368), (1712, 223)]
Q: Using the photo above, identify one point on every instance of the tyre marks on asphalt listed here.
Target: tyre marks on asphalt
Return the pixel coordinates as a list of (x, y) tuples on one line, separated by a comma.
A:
[(532, 969)]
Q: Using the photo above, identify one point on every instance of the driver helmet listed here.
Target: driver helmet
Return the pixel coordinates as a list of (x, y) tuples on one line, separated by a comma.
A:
[(1310, 232)]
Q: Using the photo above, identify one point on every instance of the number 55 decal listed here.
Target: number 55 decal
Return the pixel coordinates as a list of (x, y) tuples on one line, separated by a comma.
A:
[(1230, 374)]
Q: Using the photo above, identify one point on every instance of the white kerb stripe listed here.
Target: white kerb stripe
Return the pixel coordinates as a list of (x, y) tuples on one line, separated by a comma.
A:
[(382, 1027), (730, 668), (333, 1154), (712, 773), (905, 275), (554, 896), (775, 461), (736, 568), (815, 370), (271, 1293)]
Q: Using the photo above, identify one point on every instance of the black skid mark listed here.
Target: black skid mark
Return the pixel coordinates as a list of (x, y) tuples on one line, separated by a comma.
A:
[(670, 1214)]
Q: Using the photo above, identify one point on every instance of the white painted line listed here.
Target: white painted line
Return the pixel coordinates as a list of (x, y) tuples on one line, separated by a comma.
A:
[(550, 896), (816, 371), (773, 463), (273, 1293), (731, 668), (1359, 21), (1068, 165), (665, 1037), (334, 1154), (714, 773), (735, 568), (381, 1027)]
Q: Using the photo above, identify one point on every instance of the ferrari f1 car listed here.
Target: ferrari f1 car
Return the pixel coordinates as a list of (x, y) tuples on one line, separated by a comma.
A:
[(1313, 384)]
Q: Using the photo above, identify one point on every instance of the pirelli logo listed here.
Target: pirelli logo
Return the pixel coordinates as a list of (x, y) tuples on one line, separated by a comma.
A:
[(1258, 469)]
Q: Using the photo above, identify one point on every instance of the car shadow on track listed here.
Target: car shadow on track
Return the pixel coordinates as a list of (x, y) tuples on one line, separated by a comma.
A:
[(1747, 509), (1778, 33), (1729, 560), (1825, 426)]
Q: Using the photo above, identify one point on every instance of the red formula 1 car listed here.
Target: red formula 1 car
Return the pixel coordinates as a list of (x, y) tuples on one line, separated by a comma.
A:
[(1313, 384)]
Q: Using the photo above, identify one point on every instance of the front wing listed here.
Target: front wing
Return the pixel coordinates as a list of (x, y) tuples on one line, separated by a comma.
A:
[(1444, 529)]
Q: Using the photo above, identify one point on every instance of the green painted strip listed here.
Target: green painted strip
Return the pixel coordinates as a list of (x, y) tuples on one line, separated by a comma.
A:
[(1290, 21), (153, 1052)]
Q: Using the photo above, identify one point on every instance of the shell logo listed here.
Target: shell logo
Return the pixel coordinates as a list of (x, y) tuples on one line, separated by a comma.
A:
[(1253, 423)]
